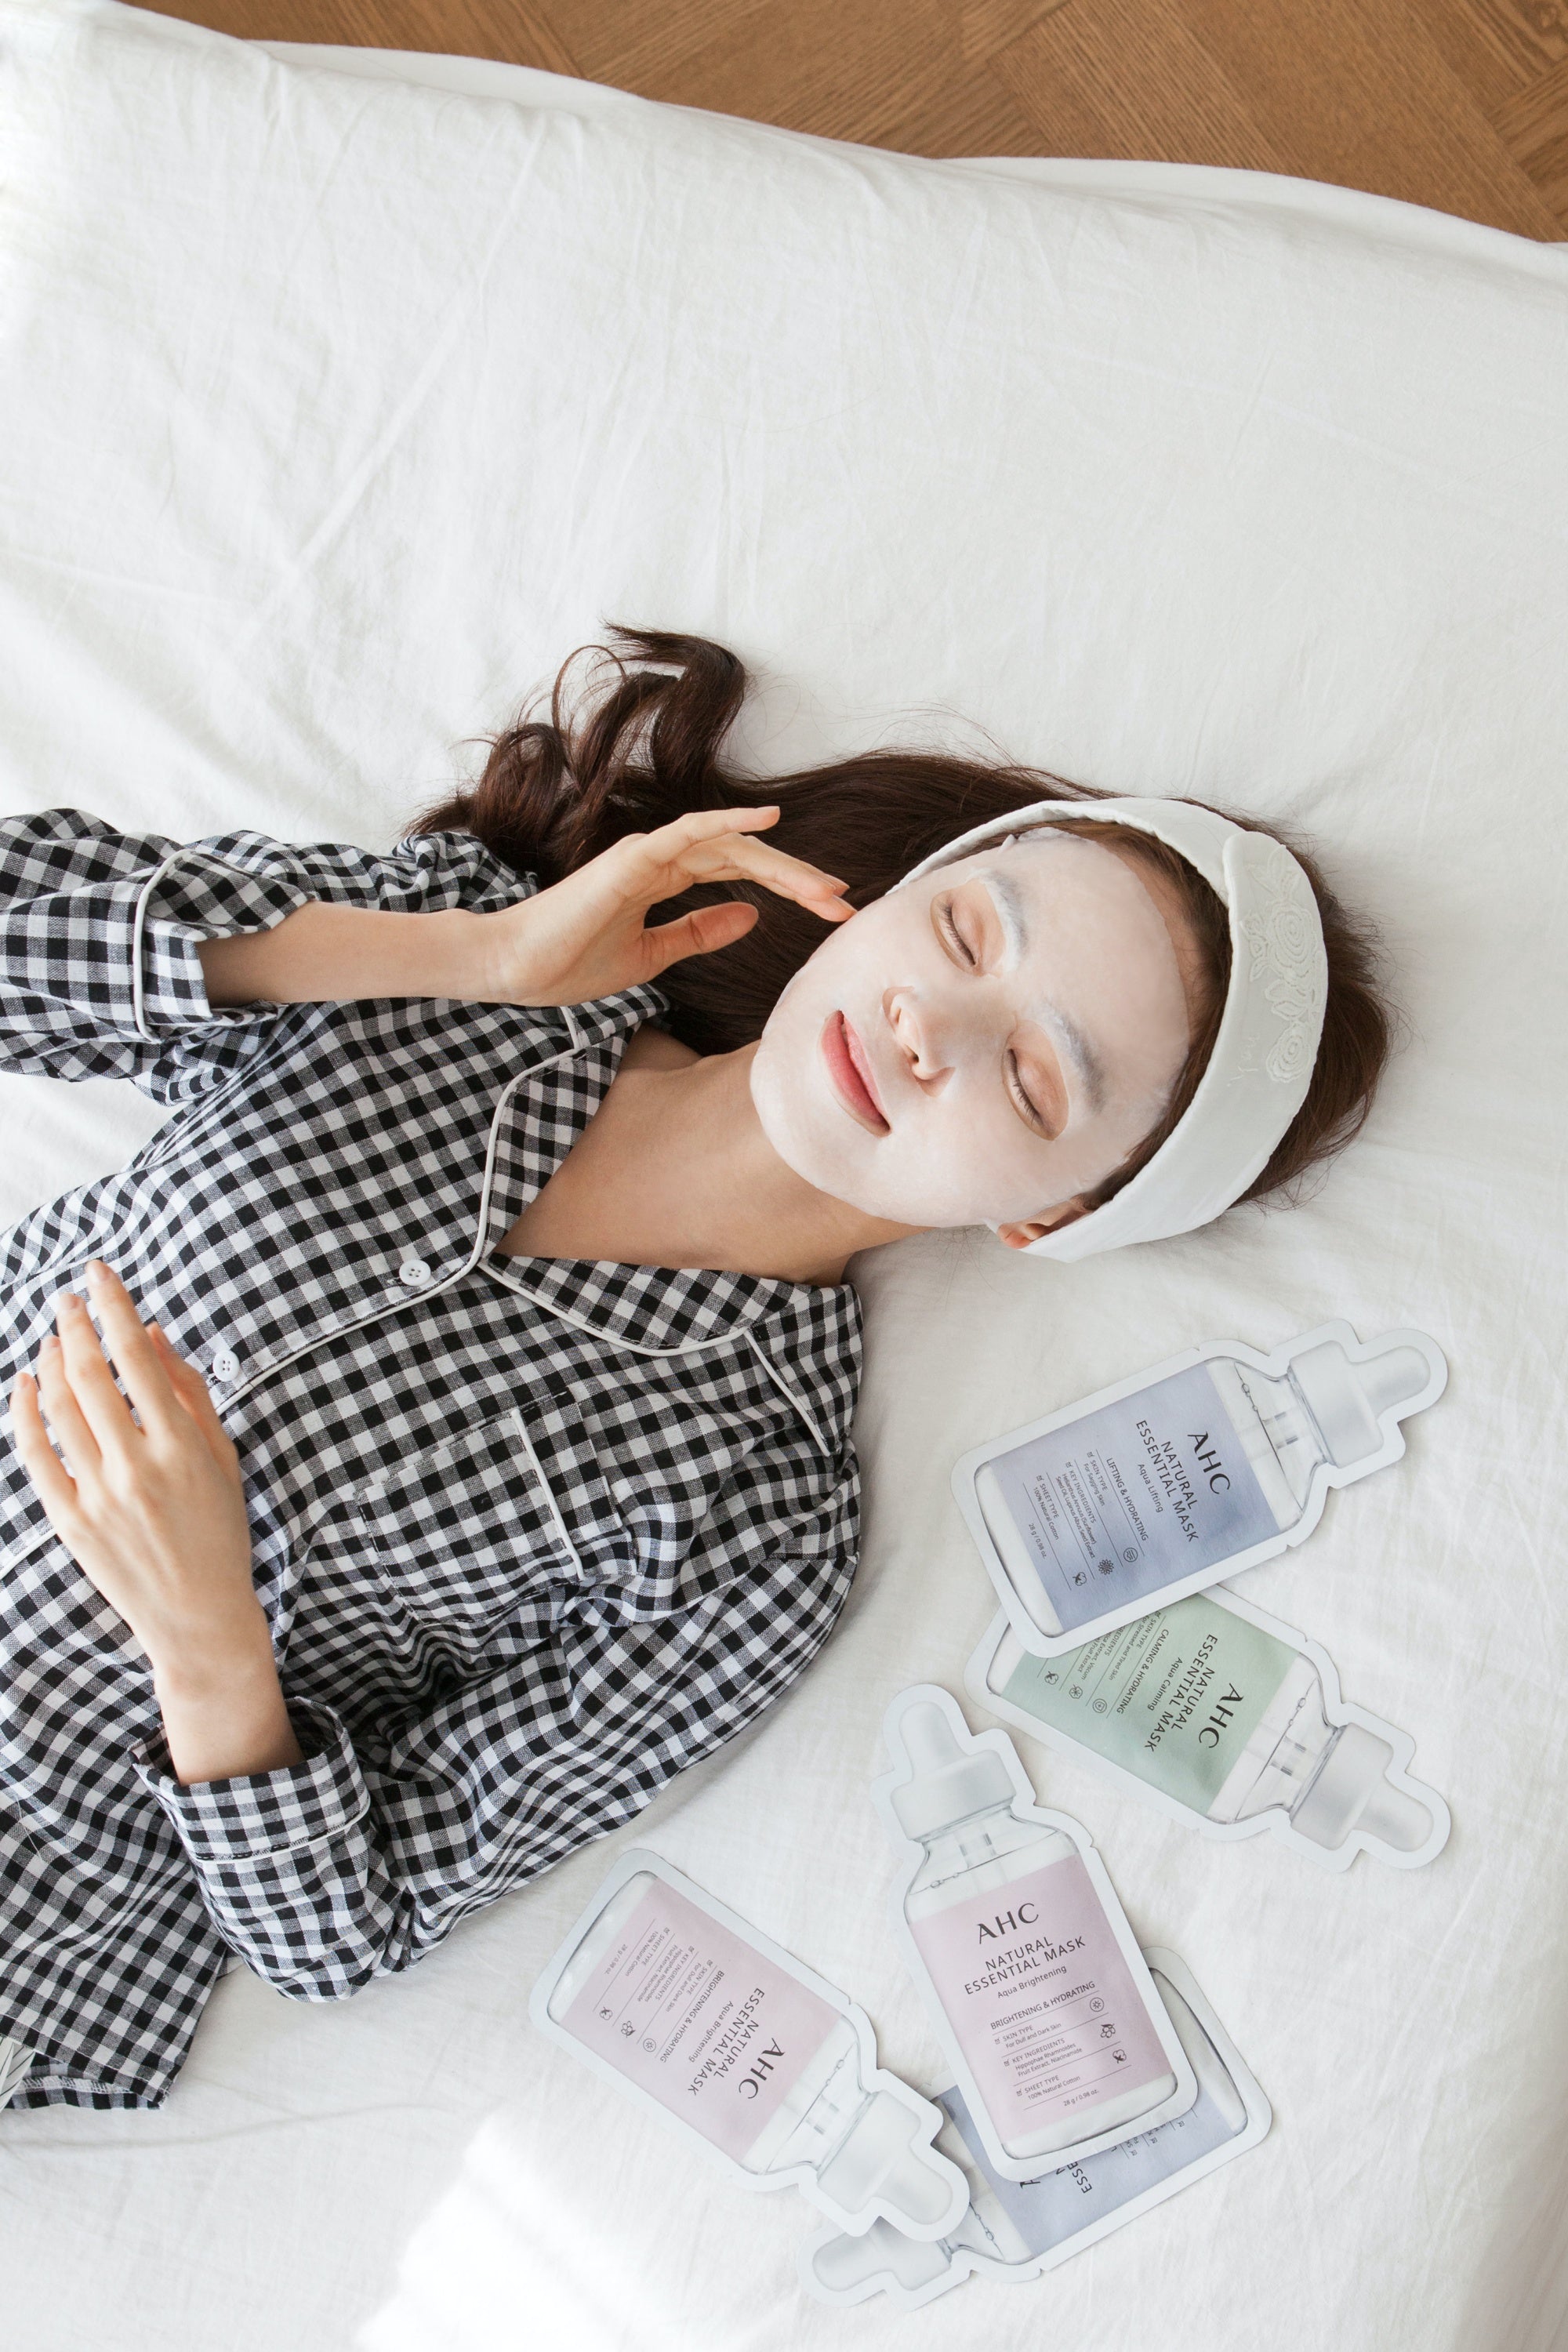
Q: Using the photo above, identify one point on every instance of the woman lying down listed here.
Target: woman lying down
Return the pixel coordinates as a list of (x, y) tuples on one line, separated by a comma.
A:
[(438, 1435)]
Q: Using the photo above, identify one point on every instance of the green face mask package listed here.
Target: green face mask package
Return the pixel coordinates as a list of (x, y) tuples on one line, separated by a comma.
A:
[(1219, 1715), (1185, 1474), (1015, 2230)]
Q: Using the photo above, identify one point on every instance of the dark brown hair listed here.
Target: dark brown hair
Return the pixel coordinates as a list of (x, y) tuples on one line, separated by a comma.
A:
[(641, 746)]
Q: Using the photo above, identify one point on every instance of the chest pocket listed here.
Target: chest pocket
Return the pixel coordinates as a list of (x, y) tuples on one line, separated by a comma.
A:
[(470, 1529)]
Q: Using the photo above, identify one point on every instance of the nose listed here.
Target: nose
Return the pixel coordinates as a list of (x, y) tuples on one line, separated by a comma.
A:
[(923, 1034)]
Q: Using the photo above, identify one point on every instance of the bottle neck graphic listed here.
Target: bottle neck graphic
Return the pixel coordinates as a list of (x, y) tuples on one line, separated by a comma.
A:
[(820, 2111), (985, 1840), (1284, 1752), (1298, 1757), (1277, 1431)]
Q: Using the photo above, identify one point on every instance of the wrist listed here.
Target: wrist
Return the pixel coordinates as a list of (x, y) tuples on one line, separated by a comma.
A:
[(324, 954), (451, 953), (195, 1663), (499, 958), (224, 1716)]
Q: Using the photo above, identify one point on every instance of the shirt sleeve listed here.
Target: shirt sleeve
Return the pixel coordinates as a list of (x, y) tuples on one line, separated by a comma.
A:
[(349, 1865), (99, 931)]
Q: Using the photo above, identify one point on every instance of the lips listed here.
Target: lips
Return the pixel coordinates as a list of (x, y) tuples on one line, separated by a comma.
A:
[(850, 1072)]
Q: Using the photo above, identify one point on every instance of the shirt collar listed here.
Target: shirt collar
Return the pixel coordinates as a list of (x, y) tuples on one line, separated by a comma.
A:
[(663, 1309)]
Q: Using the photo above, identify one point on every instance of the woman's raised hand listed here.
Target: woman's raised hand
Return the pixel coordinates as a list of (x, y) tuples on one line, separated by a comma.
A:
[(588, 936), (583, 937), (149, 1501)]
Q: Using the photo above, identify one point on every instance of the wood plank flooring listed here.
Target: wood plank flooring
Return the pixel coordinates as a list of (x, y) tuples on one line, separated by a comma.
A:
[(1458, 104)]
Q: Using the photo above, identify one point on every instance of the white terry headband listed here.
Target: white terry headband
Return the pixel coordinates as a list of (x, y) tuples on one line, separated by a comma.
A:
[(1262, 1065)]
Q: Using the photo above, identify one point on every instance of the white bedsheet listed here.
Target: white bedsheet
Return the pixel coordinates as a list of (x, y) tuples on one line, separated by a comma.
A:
[(336, 412)]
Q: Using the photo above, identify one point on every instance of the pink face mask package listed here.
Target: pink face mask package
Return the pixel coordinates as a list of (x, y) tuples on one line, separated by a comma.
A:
[(730, 2040), (1204, 1466), (1220, 1716), (1015, 2231), (1010, 1926)]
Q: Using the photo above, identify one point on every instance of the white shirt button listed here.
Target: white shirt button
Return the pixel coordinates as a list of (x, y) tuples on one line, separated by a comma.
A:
[(415, 1273), (226, 1365)]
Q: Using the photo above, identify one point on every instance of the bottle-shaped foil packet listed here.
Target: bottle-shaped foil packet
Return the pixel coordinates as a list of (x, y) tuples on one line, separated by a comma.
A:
[(1228, 1719), (716, 2028), (1012, 1929), (1190, 1472), (1015, 2231)]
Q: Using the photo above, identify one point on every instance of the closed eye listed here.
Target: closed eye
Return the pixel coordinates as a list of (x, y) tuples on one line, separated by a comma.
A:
[(1026, 1107), (952, 938)]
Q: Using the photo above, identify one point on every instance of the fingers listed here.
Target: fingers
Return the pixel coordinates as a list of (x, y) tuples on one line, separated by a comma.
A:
[(126, 1342), (56, 1488), (704, 824), (193, 1395), (85, 1370), (715, 845), (697, 934), (733, 858), (63, 1414)]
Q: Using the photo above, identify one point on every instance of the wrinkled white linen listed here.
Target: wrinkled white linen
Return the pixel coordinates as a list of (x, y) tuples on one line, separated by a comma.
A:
[(336, 412)]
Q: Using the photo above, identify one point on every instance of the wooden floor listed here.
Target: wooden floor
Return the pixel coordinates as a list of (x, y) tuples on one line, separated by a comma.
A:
[(1459, 104)]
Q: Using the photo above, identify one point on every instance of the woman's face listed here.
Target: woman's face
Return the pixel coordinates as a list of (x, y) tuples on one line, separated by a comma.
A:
[(986, 1044)]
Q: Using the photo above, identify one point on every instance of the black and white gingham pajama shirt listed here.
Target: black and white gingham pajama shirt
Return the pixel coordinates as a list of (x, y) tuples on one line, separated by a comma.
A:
[(531, 1534)]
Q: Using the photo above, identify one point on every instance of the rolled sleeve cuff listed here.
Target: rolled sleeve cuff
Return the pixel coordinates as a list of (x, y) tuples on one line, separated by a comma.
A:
[(194, 897), (266, 1813)]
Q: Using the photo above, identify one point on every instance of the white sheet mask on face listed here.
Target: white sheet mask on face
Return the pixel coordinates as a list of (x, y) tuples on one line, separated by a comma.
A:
[(1201, 1466), (981, 1044), (1259, 1072), (1224, 1718), (1015, 2231), (742, 2050)]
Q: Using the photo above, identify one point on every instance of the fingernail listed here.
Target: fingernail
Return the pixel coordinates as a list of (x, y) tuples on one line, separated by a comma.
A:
[(96, 1270), (69, 1298)]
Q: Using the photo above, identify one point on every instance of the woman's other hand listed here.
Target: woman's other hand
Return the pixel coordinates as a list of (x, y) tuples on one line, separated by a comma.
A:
[(583, 937), (588, 937), (148, 1499)]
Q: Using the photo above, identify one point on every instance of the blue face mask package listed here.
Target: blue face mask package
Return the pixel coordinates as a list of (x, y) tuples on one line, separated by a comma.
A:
[(1202, 1466)]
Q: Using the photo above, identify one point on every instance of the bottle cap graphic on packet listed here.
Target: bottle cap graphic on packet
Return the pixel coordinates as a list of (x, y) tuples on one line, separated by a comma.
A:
[(949, 1783)]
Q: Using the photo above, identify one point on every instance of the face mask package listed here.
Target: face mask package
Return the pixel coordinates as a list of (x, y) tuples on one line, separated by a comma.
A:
[(1202, 1466), (758, 2060), (1224, 1718), (1015, 2231), (1011, 1928)]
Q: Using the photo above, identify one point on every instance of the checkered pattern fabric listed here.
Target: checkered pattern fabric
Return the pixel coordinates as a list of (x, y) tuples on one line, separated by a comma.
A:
[(532, 1535)]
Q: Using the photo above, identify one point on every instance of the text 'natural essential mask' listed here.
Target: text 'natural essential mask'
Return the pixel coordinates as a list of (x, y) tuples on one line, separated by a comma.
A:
[(1191, 1471), (720, 2031), (1012, 1929), (1228, 1720), (1017, 2229)]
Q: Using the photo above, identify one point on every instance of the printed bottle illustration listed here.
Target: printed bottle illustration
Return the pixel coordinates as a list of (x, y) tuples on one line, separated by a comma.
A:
[(1014, 2222), (1200, 1703), (1128, 1497), (743, 2052), (1021, 1953), (984, 2228)]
